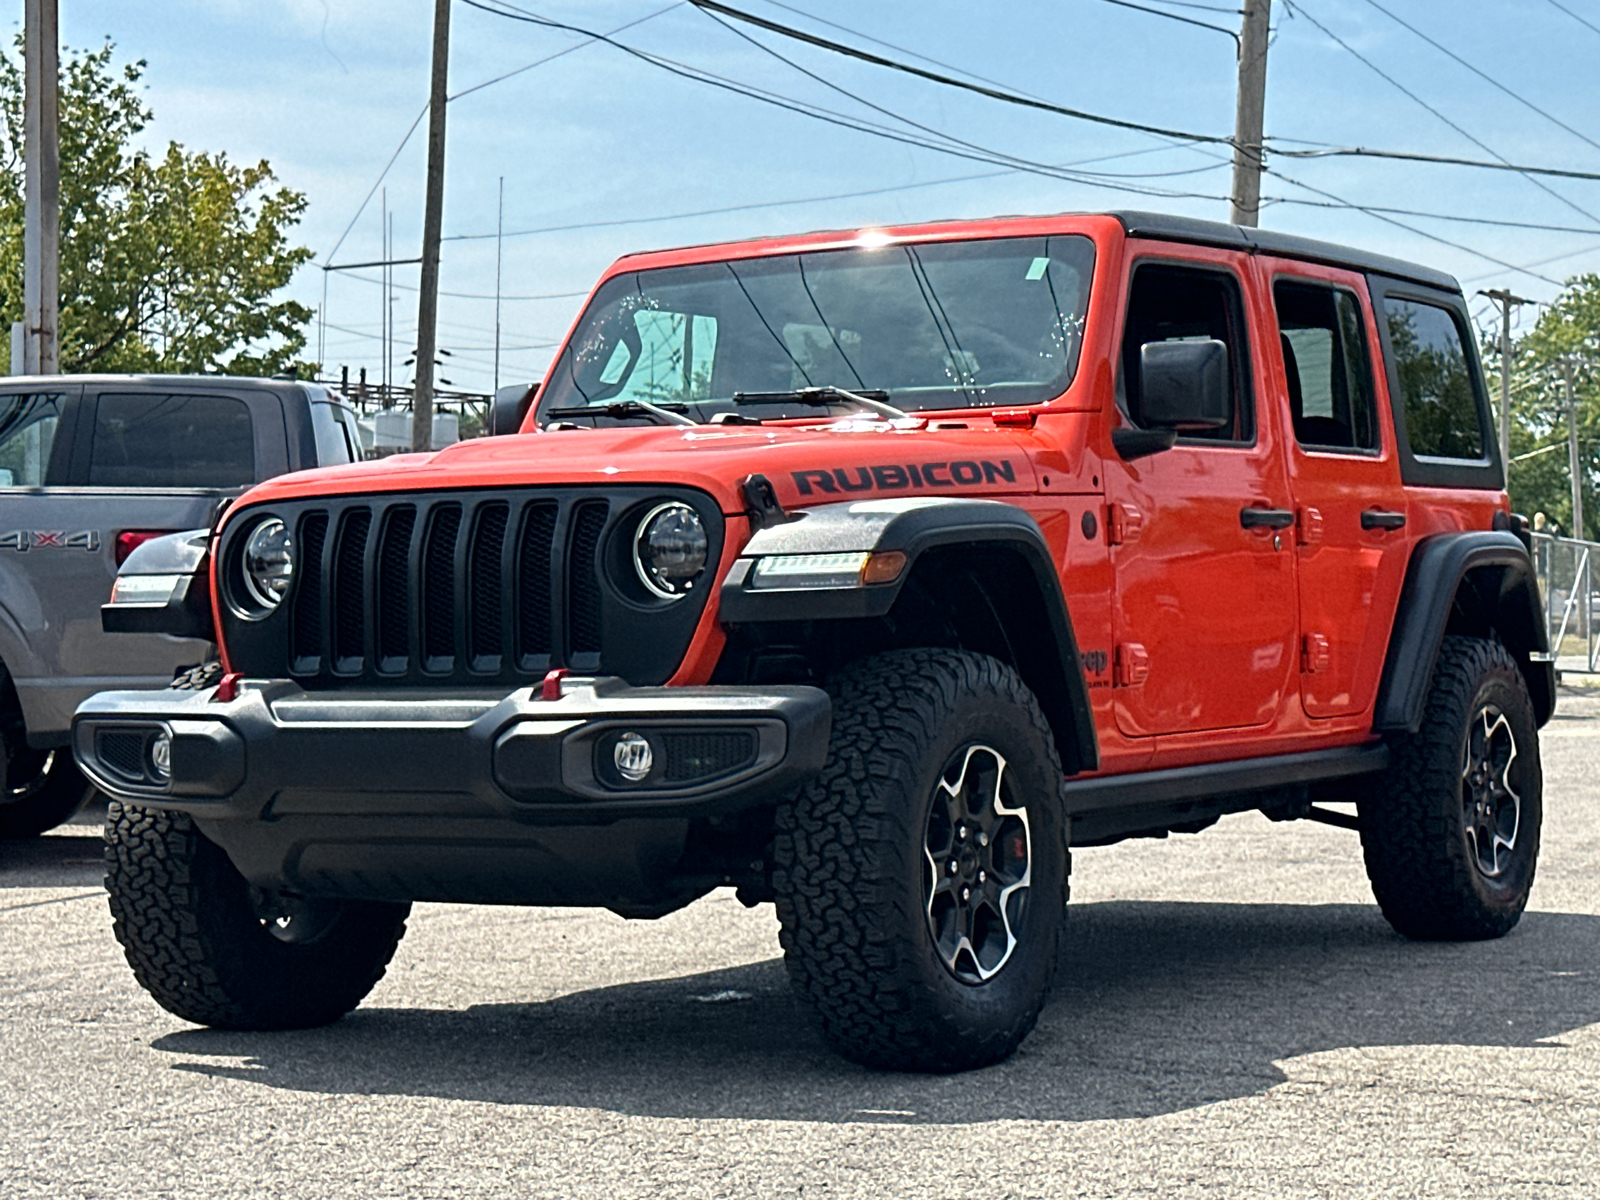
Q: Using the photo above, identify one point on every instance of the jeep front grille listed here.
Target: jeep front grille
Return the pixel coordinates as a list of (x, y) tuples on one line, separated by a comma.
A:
[(466, 586)]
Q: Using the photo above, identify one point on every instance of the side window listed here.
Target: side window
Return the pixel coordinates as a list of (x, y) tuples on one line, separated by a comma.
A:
[(1328, 368), (144, 440), (671, 362), (27, 435), (1170, 303), (333, 444), (1442, 414)]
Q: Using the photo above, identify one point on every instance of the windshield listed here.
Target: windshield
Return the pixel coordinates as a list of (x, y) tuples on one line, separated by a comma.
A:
[(930, 326)]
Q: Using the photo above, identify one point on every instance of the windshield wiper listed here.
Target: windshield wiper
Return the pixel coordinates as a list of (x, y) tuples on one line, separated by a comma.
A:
[(821, 397), (624, 408)]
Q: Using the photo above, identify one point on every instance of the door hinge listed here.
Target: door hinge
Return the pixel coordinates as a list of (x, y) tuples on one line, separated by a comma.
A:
[(1123, 523), (1316, 655), (1133, 664)]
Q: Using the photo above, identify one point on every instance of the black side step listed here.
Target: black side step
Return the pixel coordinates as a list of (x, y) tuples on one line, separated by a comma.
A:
[(1116, 806)]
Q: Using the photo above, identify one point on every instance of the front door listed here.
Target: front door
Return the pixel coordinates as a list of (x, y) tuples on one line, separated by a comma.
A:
[(1202, 554), (1345, 475)]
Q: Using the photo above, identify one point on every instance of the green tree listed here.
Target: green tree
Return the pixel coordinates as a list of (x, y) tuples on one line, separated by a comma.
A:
[(168, 263), (1566, 333)]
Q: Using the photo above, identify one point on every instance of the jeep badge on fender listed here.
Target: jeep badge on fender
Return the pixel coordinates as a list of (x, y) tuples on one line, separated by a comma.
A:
[(866, 573)]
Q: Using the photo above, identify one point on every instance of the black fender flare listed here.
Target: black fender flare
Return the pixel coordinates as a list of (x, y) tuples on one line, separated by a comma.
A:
[(913, 526), (1497, 567)]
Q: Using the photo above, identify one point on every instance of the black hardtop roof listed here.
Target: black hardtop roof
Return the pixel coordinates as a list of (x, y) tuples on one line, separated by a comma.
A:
[(1238, 237)]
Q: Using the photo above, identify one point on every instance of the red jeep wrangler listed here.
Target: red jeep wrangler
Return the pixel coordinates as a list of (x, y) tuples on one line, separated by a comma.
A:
[(866, 573)]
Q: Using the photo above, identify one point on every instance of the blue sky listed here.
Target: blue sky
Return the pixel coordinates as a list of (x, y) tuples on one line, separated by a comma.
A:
[(326, 89)]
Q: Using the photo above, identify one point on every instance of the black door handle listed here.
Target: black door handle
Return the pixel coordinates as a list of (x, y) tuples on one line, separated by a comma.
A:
[(1266, 518), (1377, 518)]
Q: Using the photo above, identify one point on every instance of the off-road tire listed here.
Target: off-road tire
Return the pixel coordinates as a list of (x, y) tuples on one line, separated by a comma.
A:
[(851, 865), (198, 678), (1414, 824), (193, 932)]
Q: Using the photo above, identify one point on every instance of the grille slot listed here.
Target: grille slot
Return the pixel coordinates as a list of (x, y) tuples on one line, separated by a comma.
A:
[(349, 591), (394, 588), (533, 585), (306, 631), (439, 588), (121, 751), (486, 588), (583, 578)]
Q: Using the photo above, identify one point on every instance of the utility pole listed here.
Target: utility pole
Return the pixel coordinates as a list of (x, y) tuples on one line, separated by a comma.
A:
[(1245, 206), (499, 237), (1504, 298), (41, 239), (432, 227), (1572, 450)]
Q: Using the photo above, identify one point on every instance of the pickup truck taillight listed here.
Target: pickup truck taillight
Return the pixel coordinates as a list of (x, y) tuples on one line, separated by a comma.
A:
[(130, 540)]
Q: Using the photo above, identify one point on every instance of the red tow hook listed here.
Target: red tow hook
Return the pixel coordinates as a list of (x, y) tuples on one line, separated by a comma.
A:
[(550, 689), (228, 689)]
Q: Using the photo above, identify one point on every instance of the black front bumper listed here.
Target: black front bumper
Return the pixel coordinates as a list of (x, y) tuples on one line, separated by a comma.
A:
[(511, 798)]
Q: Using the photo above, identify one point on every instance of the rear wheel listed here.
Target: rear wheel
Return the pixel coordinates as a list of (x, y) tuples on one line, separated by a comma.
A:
[(921, 877), (214, 950), (1451, 837), (42, 789)]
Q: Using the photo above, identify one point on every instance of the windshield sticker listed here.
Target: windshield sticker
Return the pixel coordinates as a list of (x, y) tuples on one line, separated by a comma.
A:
[(891, 476), (1037, 269)]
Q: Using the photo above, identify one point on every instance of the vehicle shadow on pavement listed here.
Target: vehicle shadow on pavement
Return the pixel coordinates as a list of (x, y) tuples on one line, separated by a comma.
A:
[(73, 857), (1159, 1007)]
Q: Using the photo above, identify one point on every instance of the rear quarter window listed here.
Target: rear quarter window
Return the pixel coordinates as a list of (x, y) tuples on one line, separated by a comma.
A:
[(171, 440)]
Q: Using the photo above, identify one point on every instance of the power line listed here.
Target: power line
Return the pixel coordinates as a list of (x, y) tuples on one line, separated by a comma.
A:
[(1175, 17), (832, 117), (1444, 160), (1432, 237), (1544, 187), (1575, 16), (1486, 77)]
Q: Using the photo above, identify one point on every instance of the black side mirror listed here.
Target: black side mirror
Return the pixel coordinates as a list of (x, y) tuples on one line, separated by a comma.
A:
[(510, 406), (1184, 385)]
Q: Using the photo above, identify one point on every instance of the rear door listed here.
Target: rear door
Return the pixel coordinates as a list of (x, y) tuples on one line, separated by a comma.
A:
[(1344, 469), (1202, 558)]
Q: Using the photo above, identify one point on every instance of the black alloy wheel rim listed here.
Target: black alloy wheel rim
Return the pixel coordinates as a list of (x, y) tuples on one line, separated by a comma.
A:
[(32, 769), (978, 849), (1491, 808)]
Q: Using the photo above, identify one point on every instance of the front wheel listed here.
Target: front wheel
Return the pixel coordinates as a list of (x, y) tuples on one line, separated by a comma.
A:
[(1451, 835), (921, 878), (214, 950)]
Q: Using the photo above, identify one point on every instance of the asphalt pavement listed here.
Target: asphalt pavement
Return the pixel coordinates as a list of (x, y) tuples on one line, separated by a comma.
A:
[(1232, 1018)]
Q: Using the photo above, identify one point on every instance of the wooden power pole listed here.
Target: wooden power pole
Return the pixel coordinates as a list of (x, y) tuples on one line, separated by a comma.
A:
[(1504, 298), (432, 227), (1245, 206), (41, 238)]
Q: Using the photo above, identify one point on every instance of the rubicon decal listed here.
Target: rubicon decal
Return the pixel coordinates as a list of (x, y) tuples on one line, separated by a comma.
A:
[(23, 540), (891, 476)]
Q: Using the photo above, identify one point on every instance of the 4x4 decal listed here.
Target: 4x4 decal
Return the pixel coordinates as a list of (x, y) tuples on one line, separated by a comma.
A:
[(889, 476), (23, 540)]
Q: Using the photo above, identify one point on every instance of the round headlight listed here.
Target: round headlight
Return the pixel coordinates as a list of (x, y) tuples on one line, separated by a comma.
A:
[(669, 549), (268, 563)]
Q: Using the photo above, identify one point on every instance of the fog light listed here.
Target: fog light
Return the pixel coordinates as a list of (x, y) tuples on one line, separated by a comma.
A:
[(632, 757), (161, 757)]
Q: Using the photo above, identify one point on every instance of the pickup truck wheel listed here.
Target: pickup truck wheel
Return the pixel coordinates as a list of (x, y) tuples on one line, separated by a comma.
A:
[(213, 950), (1451, 837), (43, 789), (921, 877)]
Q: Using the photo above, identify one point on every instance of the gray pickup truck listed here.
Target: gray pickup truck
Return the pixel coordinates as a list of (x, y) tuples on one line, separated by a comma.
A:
[(91, 466)]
